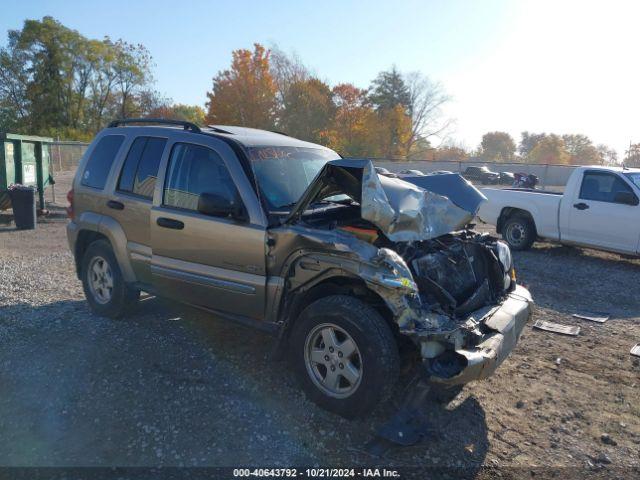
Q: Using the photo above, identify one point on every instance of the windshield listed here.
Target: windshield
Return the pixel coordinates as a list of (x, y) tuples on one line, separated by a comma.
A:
[(634, 177), (284, 173)]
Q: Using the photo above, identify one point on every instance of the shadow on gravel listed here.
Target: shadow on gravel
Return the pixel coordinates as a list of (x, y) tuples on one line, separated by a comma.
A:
[(559, 277), (568, 252), (458, 438), (172, 386)]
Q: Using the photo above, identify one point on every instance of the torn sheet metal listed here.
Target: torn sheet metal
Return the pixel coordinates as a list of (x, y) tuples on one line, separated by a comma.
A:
[(592, 316), (402, 210), (557, 328), (406, 212), (635, 351)]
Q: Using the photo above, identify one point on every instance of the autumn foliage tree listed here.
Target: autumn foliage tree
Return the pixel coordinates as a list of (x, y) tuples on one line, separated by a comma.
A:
[(350, 131), (179, 111), (497, 147), (551, 149), (307, 110), (246, 93)]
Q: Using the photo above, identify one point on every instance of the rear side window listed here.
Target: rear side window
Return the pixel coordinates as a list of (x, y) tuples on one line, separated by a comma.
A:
[(602, 186), (193, 170), (99, 163), (140, 169)]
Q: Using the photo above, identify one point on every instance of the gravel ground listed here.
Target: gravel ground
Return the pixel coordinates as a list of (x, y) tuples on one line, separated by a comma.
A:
[(173, 386)]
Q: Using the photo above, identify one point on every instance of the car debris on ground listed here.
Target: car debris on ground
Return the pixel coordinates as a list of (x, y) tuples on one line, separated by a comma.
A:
[(635, 351), (592, 316), (557, 328)]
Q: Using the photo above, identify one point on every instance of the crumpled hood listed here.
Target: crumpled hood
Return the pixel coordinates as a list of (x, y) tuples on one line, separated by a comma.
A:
[(407, 209)]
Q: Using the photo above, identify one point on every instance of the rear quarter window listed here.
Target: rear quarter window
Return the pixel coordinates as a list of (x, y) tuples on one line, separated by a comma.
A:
[(99, 164), (140, 169)]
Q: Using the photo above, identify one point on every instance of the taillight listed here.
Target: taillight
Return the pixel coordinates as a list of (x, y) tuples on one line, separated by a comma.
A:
[(70, 212)]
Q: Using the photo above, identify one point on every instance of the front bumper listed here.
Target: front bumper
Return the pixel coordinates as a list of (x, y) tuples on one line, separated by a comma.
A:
[(476, 363)]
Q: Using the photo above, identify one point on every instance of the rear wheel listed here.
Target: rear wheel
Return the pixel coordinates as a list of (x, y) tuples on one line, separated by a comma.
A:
[(104, 287), (345, 355), (519, 232)]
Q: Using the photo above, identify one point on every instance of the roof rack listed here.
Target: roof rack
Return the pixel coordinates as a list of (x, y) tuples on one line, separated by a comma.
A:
[(162, 121), (218, 129)]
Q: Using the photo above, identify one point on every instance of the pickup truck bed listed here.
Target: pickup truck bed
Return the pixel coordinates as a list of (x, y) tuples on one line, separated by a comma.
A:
[(528, 190)]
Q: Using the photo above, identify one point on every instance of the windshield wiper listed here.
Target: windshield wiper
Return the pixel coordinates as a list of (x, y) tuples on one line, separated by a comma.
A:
[(287, 206)]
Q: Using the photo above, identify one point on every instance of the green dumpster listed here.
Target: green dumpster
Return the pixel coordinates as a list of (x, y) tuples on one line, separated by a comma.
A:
[(23, 159)]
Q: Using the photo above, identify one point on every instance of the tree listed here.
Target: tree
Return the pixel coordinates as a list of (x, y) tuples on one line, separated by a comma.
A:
[(426, 101), (350, 131), (451, 154), (608, 156), (246, 93), (189, 113), (391, 132), (497, 147), (550, 149), (581, 150), (391, 99), (388, 90), (102, 83), (286, 70), (14, 77), (528, 141), (132, 67), (632, 156), (307, 110), (56, 82)]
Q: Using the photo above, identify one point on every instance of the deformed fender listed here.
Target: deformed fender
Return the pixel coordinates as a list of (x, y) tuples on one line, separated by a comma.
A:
[(111, 229), (114, 232), (335, 254)]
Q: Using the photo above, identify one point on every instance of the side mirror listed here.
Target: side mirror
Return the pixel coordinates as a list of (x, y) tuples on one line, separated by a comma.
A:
[(626, 198), (216, 205)]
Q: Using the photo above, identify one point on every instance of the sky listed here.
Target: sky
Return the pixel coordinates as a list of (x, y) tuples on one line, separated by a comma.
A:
[(563, 66)]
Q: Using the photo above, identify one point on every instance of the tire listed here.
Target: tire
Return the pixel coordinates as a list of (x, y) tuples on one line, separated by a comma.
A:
[(105, 301), (373, 367), (519, 232)]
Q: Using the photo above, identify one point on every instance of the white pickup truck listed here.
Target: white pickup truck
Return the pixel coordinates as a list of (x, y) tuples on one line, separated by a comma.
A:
[(598, 209)]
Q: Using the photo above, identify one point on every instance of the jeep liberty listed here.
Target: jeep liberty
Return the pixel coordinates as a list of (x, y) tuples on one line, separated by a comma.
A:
[(349, 269)]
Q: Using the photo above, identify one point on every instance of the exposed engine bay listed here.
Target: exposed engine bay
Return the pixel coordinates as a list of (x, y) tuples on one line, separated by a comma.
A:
[(455, 273), (449, 289)]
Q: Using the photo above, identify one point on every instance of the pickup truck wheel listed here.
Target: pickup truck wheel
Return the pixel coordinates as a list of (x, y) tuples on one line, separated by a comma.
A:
[(104, 287), (519, 232), (345, 355)]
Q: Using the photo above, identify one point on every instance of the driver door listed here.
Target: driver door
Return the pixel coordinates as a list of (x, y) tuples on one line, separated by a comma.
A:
[(598, 219), (208, 261)]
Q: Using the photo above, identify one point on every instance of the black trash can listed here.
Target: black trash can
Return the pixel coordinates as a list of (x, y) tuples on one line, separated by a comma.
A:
[(23, 202)]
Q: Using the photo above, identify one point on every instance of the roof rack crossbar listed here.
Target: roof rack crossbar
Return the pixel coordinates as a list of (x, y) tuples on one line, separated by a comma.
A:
[(218, 129), (162, 121)]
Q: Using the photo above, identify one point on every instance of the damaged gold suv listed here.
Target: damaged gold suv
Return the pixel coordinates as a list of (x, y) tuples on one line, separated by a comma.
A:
[(349, 269)]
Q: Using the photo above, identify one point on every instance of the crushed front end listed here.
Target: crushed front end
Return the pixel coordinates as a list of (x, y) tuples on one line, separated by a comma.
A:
[(451, 290), (456, 297)]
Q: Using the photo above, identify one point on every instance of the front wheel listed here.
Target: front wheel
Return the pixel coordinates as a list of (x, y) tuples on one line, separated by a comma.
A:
[(519, 232), (104, 287), (345, 355)]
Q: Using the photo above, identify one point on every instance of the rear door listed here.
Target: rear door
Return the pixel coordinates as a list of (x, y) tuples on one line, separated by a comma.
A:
[(214, 262), (130, 203), (596, 218)]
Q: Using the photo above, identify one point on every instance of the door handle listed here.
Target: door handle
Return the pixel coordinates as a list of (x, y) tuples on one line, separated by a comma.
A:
[(580, 206), (170, 223), (115, 205)]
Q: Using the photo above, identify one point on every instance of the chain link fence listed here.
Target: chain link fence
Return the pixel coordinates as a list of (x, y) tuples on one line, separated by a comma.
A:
[(550, 175), (65, 156)]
